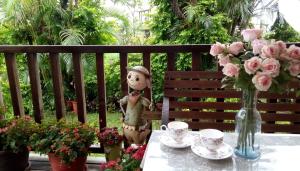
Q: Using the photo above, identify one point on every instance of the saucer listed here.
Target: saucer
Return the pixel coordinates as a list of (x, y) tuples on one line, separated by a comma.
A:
[(223, 152), (170, 142)]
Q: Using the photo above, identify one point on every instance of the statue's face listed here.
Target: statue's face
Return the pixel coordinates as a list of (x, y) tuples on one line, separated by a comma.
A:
[(136, 80)]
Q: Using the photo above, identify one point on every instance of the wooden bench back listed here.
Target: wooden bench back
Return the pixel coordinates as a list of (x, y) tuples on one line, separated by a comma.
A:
[(197, 98)]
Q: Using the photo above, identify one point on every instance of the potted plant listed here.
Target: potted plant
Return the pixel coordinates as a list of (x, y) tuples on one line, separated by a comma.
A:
[(130, 161), (112, 142), (65, 143), (14, 142)]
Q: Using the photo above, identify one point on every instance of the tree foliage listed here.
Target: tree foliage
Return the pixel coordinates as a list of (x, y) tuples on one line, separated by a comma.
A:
[(185, 22)]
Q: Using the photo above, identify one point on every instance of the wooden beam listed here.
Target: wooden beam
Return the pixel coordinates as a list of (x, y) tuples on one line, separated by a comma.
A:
[(57, 85), (147, 64), (79, 87), (123, 69), (35, 84), (101, 89), (13, 79)]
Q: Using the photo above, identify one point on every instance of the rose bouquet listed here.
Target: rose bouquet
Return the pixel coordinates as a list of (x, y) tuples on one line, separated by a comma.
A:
[(252, 66), (112, 141)]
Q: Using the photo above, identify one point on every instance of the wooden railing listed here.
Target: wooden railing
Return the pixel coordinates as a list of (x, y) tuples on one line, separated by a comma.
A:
[(10, 53)]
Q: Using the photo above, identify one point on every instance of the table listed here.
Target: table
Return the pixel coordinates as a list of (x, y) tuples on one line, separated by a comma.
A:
[(278, 152)]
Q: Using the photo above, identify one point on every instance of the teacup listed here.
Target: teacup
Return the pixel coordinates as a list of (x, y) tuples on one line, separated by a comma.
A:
[(177, 130), (212, 139)]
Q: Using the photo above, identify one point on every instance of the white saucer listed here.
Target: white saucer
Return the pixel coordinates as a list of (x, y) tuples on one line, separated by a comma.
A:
[(223, 152), (170, 142)]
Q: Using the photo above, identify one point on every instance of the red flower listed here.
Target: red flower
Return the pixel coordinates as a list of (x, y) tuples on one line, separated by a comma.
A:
[(139, 154)]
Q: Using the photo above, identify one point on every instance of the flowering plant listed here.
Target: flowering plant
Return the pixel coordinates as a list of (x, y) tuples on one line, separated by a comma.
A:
[(131, 160), (109, 136), (15, 134), (257, 64), (66, 140)]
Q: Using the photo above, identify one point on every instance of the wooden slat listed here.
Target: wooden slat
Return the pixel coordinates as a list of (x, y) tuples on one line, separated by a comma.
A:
[(192, 84), (202, 93), (150, 115), (147, 64), (79, 87), (214, 125), (202, 115), (230, 127), (13, 79), (36, 90), (281, 128), (223, 94), (101, 89), (171, 61), (194, 74), (123, 69), (231, 115), (234, 106), (57, 85)]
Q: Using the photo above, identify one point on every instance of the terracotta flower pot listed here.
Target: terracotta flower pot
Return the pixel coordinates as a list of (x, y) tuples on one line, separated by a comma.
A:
[(14, 161), (112, 152), (74, 106), (58, 165)]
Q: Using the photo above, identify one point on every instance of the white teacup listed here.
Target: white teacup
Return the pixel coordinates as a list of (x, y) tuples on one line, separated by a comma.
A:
[(176, 130), (212, 139)]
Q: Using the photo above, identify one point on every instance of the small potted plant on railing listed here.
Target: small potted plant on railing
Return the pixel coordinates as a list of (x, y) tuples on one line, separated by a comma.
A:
[(65, 143), (112, 142), (14, 142), (130, 161)]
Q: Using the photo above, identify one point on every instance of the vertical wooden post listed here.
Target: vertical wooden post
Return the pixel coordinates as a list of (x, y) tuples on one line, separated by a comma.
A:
[(13, 78), (57, 85), (123, 69), (171, 61), (196, 61), (146, 63), (101, 89), (79, 87), (196, 66), (35, 84)]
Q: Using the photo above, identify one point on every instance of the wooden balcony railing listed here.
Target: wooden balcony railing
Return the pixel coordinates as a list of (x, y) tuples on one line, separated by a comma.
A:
[(10, 53)]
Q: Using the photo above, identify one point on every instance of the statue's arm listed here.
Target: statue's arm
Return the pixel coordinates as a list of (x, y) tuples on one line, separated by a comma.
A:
[(124, 100), (145, 102)]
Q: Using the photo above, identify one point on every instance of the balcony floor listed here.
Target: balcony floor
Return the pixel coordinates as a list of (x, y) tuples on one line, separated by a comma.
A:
[(41, 163)]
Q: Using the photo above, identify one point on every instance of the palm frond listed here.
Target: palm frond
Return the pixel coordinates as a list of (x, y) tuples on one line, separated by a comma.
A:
[(72, 37)]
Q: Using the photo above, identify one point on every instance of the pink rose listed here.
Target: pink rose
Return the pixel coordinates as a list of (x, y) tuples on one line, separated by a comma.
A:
[(251, 34), (235, 48), (281, 46), (271, 66), (217, 49), (231, 70), (294, 52), (257, 45), (223, 60), (252, 65), (262, 81), (270, 51), (294, 68)]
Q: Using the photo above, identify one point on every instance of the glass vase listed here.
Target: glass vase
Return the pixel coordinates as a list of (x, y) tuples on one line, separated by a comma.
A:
[(248, 127)]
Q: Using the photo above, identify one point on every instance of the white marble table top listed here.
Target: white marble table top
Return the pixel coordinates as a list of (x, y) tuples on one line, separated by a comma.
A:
[(279, 152)]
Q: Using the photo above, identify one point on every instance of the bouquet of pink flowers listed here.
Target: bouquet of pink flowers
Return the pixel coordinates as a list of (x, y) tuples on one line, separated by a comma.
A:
[(258, 63), (252, 66)]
